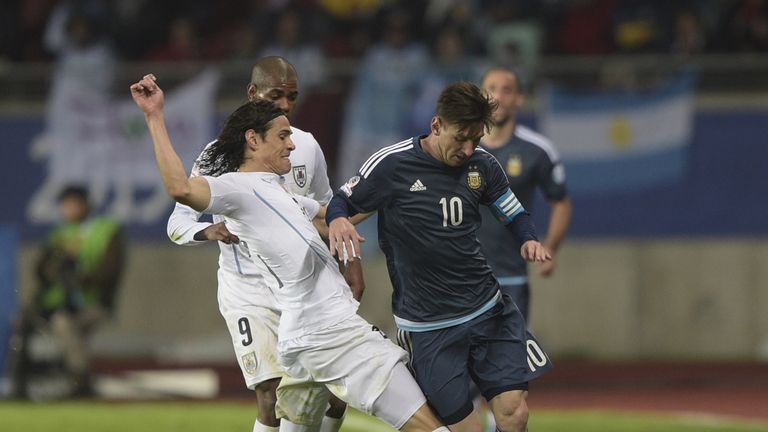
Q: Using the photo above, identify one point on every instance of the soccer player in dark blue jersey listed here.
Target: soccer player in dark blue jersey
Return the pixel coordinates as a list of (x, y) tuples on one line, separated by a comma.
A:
[(530, 161), (450, 312)]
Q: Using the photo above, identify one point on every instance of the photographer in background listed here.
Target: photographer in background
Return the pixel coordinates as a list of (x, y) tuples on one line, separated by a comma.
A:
[(78, 273)]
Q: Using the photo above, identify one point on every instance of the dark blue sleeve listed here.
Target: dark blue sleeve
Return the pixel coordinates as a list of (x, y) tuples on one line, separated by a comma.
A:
[(522, 228), (362, 193), (497, 183), (504, 204)]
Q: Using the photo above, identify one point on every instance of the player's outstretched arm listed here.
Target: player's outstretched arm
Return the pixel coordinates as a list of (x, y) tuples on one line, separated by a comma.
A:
[(193, 192)]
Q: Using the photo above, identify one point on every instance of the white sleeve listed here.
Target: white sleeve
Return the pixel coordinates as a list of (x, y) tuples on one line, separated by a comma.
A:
[(310, 206), (223, 196), (183, 223), (320, 189)]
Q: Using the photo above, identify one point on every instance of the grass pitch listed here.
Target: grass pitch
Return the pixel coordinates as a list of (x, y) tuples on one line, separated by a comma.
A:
[(238, 417)]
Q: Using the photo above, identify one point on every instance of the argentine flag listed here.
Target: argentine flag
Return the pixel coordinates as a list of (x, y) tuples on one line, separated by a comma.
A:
[(620, 142)]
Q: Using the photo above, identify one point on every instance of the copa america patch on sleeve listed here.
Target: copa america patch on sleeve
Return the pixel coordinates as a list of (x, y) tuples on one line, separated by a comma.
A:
[(249, 363), (349, 185)]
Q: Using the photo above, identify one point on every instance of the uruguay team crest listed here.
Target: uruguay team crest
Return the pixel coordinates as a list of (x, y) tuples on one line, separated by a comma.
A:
[(474, 181), (300, 175), (514, 166), (249, 363)]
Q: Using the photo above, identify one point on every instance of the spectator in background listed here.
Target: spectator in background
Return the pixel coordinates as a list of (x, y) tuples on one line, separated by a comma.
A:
[(287, 43), (183, 43), (78, 273), (688, 37), (584, 28), (378, 106), (638, 26), (75, 36), (745, 26), (466, 17), (449, 64)]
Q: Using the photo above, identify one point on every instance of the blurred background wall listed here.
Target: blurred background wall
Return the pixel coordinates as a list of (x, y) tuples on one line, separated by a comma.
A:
[(657, 108)]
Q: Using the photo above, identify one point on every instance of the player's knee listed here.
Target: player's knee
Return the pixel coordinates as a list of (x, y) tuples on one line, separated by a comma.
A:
[(512, 416), (336, 408)]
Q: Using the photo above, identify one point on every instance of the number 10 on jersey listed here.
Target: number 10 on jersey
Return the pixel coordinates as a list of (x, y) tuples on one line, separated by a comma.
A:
[(453, 211)]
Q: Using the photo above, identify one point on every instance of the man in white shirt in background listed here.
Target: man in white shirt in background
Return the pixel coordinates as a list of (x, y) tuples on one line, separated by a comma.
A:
[(244, 296), (323, 345)]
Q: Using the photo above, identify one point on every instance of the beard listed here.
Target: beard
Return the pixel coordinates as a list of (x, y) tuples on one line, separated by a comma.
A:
[(500, 119)]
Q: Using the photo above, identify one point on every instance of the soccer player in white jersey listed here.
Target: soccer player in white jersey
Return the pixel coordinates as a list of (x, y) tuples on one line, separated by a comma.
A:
[(244, 298), (323, 344)]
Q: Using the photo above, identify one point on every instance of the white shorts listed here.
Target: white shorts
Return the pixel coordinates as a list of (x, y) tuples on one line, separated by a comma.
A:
[(355, 362), (252, 320)]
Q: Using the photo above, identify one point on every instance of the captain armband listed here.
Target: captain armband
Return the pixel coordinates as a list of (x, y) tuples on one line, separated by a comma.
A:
[(507, 207)]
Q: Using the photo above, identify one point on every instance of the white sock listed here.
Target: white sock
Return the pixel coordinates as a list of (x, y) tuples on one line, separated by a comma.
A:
[(286, 426), (258, 427), (331, 424), (442, 429)]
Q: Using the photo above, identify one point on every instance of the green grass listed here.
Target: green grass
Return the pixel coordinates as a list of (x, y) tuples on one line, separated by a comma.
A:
[(238, 417)]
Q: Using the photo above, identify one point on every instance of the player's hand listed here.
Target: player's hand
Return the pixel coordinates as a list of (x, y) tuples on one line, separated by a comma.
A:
[(344, 239), (148, 95), (217, 232), (546, 268), (534, 251)]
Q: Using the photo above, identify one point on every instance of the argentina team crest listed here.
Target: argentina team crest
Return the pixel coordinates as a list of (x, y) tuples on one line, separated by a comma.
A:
[(300, 175), (474, 181), (249, 363), (514, 166)]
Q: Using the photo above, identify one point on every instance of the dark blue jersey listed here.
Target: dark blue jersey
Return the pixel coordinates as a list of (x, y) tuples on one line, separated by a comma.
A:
[(530, 162), (428, 215)]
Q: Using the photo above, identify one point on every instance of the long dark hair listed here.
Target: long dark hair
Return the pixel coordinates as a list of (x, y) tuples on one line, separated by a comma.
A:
[(227, 153)]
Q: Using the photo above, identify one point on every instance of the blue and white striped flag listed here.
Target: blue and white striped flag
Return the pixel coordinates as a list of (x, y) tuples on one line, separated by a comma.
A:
[(617, 142)]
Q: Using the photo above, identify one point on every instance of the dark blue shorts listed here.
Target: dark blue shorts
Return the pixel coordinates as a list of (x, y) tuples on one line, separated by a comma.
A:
[(520, 294), (495, 350)]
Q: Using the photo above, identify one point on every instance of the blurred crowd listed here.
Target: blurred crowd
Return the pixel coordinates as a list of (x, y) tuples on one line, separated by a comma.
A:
[(314, 30)]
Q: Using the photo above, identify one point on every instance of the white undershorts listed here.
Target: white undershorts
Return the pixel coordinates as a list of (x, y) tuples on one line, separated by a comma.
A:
[(355, 362)]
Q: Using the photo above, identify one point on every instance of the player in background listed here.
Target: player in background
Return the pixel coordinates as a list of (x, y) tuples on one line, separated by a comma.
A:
[(530, 162), (448, 307), (244, 298), (323, 344)]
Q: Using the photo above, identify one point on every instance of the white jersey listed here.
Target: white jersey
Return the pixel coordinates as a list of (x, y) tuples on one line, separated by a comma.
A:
[(308, 177), (275, 229)]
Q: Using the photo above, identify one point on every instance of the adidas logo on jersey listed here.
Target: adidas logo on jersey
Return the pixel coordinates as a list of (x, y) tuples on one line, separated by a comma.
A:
[(418, 186)]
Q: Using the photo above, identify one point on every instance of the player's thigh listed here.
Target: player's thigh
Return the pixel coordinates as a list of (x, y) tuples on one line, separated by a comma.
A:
[(353, 358), (505, 356), (439, 361), (401, 400), (254, 339)]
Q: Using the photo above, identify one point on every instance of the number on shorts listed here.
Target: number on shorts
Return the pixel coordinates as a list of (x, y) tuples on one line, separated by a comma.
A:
[(536, 356), (245, 330)]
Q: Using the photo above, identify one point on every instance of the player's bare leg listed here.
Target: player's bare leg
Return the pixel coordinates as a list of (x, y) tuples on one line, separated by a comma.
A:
[(423, 420), (470, 423), (334, 416), (510, 410), (266, 399)]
